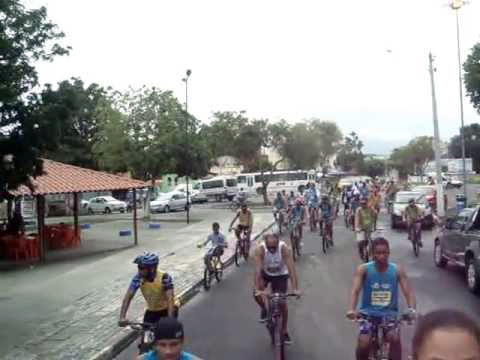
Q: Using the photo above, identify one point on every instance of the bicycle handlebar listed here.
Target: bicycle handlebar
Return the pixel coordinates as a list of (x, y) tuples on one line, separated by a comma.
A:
[(140, 326)]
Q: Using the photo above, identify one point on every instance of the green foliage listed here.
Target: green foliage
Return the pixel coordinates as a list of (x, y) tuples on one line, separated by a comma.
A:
[(79, 111), (350, 156), (329, 138), (301, 147), (26, 36), (373, 167), (413, 157), (472, 145), (472, 76)]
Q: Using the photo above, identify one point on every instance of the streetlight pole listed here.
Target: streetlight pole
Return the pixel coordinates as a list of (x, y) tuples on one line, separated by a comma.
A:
[(457, 5), (436, 131), (185, 79)]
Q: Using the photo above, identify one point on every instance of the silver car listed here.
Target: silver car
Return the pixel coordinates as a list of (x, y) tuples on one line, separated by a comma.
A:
[(106, 204), (169, 201)]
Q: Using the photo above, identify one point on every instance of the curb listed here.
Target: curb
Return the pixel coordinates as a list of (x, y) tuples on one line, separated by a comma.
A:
[(126, 336)]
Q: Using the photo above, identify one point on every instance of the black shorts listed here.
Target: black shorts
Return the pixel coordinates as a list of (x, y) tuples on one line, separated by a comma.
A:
[(242, 227), (279, 283), (153, 317)]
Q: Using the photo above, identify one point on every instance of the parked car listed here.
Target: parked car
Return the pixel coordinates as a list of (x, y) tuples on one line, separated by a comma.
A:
[(106, 204), (430, 192), (196, 196), (459, 243), (401, 202), (166, 202)]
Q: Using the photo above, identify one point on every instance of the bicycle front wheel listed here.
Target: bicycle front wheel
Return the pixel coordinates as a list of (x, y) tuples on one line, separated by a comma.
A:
[(294, 247), (237, 254), (207, 280), (219, 271), (278, 342)]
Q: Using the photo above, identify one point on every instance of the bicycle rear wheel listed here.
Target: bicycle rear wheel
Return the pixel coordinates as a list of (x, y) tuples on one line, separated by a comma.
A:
[(324, 242), (207, 279), (237, 254)]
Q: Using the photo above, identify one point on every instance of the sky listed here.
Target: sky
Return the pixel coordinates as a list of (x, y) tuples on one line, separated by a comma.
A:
[(361, 64)]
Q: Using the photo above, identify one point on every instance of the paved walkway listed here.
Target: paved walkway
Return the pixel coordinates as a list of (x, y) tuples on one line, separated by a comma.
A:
[(69, 310)]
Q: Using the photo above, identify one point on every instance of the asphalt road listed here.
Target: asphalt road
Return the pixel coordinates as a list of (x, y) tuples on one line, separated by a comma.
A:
[(222, 324)]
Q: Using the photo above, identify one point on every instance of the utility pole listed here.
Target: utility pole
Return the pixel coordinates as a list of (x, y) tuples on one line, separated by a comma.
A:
[(187, 145), (436, 142), (456, 5)]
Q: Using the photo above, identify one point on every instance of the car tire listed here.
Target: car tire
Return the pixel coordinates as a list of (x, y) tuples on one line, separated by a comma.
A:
[(107, 210), (472, 275), (90, 211), (166, 209), (393, 225), (438, 258)]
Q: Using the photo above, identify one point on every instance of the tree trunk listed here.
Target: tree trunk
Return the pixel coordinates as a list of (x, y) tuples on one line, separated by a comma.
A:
[(146, 212)]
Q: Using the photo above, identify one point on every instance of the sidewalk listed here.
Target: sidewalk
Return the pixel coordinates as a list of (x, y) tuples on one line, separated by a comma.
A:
[(70, 311)]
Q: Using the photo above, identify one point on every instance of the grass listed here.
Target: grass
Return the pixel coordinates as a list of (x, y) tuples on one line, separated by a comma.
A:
[(474, 179)]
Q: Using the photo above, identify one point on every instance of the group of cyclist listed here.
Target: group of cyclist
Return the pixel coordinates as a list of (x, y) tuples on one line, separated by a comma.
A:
[(378, 280)]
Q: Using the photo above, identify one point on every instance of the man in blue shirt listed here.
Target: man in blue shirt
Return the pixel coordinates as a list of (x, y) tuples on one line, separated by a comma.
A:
[(168, 344), (378, 281)]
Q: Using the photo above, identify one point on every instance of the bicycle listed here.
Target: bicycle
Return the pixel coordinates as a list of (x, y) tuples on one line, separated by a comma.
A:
[(415, 234), (327, 234), (367, 247), (379, 347), (279, 216), (312, 213), (242, 248), (213, 268), (274, 322), (146, 335), (295, 242)]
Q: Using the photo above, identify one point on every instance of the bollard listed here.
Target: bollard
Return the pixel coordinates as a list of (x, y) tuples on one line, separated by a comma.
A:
[(125, 232), (154, 226), (85, 226)]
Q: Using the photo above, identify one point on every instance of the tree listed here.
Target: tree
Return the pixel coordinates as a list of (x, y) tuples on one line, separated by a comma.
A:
[(301, 147), (78, 109), (26, 36), (373, 167), (329, 138), (472, 145), (413, 157), (350, 156), (472, 76)]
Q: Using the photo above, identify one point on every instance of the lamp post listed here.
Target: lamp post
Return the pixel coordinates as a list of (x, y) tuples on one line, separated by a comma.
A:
[(185, 79), (457, 5)]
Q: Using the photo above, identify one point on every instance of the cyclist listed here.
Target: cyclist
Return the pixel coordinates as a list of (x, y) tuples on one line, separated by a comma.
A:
[(218, 243), (296, 217), (168, 343), (354, 205), (326, 215), (412, 217), (291, 198), (285, 196), (245, 222), (364, 218), (374, 203), (279, 204), (156, 287), (378, 281), (312, 201), (274, 265)]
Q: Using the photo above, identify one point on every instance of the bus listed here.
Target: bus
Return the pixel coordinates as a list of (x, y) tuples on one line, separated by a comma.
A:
[(288, 180), (219, 187)]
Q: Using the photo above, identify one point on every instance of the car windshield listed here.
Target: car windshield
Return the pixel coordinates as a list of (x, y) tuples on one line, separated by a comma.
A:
[(403, 198), (163, 197), (109, 198)]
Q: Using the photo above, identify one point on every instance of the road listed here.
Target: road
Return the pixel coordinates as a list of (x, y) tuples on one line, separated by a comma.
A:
[(223, 323)]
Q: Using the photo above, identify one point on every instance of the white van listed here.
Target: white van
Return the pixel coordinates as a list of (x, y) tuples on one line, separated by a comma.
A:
[(220, 187)]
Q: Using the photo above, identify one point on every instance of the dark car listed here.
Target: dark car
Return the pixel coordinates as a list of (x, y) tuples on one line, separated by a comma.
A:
[(459, 243)]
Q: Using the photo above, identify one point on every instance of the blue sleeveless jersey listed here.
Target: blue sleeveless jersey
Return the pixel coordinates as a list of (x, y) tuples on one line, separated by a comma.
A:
[(380, 291), (152, 355)]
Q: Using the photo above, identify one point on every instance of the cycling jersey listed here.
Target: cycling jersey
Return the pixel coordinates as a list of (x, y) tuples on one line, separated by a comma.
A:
[(273, 264), (279, 203), (413, 214), (245, 218), (152, 355), (297, 213), (216, 240), (312, 197), (154, 291), (325, 209), (366, 218), (380, 291)]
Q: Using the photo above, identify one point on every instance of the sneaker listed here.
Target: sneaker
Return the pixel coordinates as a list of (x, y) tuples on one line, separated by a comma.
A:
[(263, 316), (300, 244), (287, 340), (420, 243)]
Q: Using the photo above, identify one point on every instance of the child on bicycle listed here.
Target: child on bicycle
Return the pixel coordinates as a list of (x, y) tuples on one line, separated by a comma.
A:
[(218, 243)]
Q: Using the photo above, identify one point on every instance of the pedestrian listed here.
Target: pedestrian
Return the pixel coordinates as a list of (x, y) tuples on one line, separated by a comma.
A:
[(446, 335), (169, 342)]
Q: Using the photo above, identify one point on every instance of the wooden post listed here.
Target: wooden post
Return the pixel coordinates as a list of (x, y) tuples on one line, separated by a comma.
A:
[(41, 226), (75, 215), (135, 234)]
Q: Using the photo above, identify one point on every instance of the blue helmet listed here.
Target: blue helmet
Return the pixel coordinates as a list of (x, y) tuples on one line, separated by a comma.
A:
[(147, 258)]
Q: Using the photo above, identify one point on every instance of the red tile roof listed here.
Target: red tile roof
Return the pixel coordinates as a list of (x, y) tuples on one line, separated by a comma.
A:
[(62, 178)]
